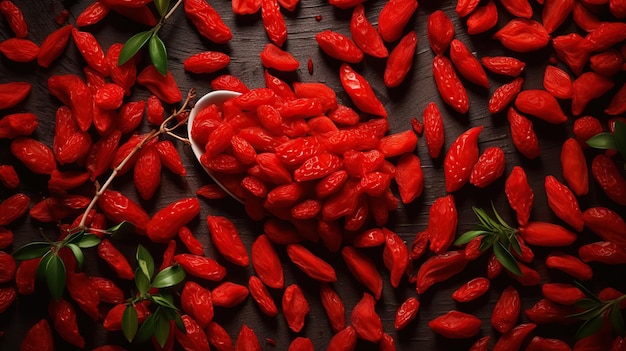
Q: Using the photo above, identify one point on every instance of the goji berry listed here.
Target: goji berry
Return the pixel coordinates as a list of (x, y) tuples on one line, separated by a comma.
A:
[(482, 19), (540, 104), (439, 268), (19, 50), (365, 36), (449, 85), (207, 21), (166, 222), (523, 35), (393, 17), (15, 18), (363, 269), (455, 325), (471, 290), (440, 31), (360, 91), (226, 239), (295, 307), (467, 65), (365, 321), (202, 267), (461, 158), (504, 65), (504, 95)]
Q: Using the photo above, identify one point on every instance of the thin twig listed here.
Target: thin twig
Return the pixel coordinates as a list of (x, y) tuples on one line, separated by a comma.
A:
[(153, 134)]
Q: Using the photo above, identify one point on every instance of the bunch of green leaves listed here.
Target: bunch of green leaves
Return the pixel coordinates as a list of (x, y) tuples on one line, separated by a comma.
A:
[(51, 267), (594, 311), (157, 325), (611, 141), (156, 47), (496, 234)]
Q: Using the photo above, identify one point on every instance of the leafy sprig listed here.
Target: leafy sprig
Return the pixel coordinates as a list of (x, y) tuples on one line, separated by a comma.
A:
[(595, 311), (156, 47), (51, 267), (158, 324), (611, 141), (495, 234)]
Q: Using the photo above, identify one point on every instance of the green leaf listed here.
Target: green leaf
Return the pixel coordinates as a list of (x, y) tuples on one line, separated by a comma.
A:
[(130, 323), (32, 250), (616, 318), (89, 240), (469, 236), (122, 229), (619, 136), (146, 262), (41, 268), (498, 218), (74, 238), (179, 323), (590, 327), (590, 313), (484, 219), (505, 257), (586, 304), (142, 282), (132, 46), (162, 6), (161, 301), (161, 329), (146, 330), (158, 54), (604, 140), (55, 276), (487, 242), (78, 254), (587, 292), (170, 276), (515, 245)]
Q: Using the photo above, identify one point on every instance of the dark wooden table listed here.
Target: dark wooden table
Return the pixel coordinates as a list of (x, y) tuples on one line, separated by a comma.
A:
[(402, 103)]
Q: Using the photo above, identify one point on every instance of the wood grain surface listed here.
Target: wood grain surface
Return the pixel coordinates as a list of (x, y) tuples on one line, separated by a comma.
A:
[(402, 103)]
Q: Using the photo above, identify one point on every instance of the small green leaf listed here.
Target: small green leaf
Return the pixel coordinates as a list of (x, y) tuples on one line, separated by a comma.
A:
[(158, 54), (484, 219), (130, 322), (161, 301), (487, 242), (170, 276), (498, 218), (586, 304), (133, 45), (146, 262), (590, 327), (78, 254), (590, 313), (146, 330), (32, 250), (89, 240), (515, 245), (617, 320), (505, 257), (74, 238), (161, 329), (162, 6), (43, 263), (142, 282), (619, 136), (55, 276), (121, 230), (179, 323), (603, 140), (469, 236), (587, 292)]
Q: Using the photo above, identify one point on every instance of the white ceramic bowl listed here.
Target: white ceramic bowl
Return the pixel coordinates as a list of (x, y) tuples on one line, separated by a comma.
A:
[(217, 97)]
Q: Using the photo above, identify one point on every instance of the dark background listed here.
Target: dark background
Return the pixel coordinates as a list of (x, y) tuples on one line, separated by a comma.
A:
[(402, 103)]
